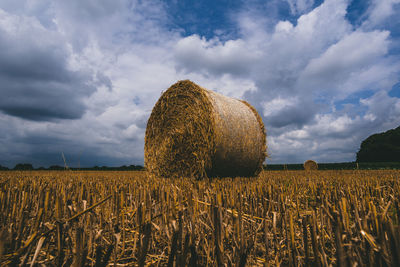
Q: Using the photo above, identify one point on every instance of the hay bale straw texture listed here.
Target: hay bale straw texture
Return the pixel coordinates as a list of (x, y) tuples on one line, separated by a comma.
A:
[(310, 165), (195, 132)]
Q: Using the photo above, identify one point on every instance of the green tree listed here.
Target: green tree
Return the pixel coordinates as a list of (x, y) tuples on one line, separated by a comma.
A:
[(3, 168), (23, 167), (382, 147)]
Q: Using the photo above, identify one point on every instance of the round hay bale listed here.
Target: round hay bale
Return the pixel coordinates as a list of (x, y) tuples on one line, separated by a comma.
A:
[(194, 132), (310, 165)]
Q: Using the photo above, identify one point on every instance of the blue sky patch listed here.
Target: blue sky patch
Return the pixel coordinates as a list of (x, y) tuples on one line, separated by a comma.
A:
[(218, 18), (356, 11), (203, 17), (395, 92), (353, 99)]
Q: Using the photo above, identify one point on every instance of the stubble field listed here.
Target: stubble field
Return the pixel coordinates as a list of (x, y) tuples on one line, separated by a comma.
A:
[(288, 218)]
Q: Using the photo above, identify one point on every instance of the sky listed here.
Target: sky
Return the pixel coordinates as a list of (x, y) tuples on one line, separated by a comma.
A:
[(80, 78)]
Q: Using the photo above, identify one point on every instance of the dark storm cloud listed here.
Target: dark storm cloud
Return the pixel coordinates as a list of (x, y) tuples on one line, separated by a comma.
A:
[(45, 146), (35, 80), (40, 100), (84, 158), (295, 115), (74, 159)]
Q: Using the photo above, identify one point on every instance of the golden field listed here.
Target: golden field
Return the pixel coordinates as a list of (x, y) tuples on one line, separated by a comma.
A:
[(288, 218)]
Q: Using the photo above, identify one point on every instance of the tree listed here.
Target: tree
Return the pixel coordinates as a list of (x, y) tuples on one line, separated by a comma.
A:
[(382, 147), (3, 168), (23, 167), (56, 168)]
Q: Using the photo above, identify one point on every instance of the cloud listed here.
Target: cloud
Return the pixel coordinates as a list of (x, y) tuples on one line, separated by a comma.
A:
[(36, 82), (336, 136), (305, 68), (386, 114), (379, 11), (195, 54), (94, 65), (344, 61), (111, 23), (82, 78), (280, 112)]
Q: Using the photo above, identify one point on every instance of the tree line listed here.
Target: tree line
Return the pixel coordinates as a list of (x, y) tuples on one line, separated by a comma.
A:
[(29, 167), (338, 166)]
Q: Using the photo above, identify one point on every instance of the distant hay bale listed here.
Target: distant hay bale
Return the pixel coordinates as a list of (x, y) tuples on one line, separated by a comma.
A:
[(310, 165), (194, 132)]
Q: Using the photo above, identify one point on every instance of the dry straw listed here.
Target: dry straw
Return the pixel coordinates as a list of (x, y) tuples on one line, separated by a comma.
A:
[(310, 165), (194, 132)]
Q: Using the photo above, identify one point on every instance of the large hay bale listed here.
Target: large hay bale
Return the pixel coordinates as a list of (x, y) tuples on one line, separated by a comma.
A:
[(194, 132), (310, 165)]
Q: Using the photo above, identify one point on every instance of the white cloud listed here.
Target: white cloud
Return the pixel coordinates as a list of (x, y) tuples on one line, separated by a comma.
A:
[(195, 54), (383, 108), (335, 136), (345, 61), (354, 51), (283, 27), (379, 11), (276, 105)]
